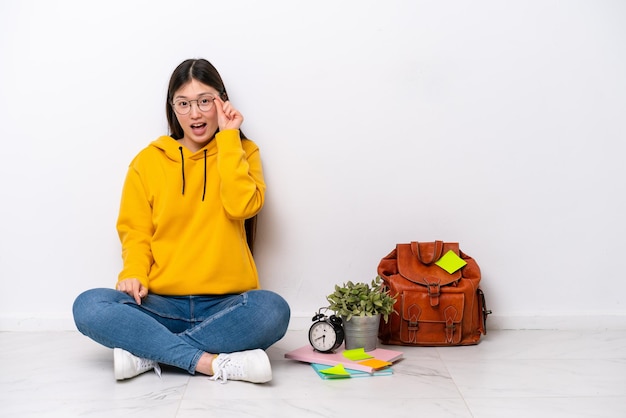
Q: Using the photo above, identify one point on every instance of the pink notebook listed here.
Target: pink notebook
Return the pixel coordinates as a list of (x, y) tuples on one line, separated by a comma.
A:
[(309, 355)]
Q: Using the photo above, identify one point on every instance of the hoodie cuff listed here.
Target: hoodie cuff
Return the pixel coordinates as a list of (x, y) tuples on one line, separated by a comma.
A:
[(228, 138)]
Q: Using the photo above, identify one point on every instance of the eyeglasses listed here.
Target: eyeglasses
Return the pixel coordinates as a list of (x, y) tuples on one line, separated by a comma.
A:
[(183, 106)]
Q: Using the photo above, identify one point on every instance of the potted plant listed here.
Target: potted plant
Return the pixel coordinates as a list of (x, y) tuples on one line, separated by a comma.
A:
[(360, 306)]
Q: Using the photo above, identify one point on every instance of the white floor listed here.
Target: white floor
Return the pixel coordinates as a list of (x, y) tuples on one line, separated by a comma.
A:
[(509, 374)]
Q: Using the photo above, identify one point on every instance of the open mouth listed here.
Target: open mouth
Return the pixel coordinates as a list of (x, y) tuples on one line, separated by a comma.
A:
[(198, 128)]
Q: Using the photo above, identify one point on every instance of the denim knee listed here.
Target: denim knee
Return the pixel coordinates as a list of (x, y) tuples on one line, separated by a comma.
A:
[(276, 315), (86, 307), (283, 314)]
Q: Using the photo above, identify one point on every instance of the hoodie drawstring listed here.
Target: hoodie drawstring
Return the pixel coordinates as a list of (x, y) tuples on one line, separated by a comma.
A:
[(204, 185), (182, 159), (182, 164)]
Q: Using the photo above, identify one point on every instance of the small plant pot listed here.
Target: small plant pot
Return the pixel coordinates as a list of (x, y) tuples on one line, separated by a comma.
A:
[(361, 332)]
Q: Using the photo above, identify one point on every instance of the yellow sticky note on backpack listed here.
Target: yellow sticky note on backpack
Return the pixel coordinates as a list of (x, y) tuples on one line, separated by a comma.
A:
[(451, 262)]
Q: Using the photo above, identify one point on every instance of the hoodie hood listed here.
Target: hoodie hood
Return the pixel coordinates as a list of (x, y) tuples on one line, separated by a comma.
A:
[(176, 152), (174, 149)]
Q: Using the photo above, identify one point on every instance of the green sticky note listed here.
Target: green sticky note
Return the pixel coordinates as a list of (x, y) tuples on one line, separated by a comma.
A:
[(337, 370), (356, 354), (451, 262)]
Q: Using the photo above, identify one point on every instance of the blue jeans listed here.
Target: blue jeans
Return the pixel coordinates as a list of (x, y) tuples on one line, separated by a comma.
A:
[(177, 330)]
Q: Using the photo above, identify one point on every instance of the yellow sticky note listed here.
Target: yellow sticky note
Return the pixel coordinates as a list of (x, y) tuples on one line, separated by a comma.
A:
[(356, 354), (375, 364), (451, 262), (337, 370)]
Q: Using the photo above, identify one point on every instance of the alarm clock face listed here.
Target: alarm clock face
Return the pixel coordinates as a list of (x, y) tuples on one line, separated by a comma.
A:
[(323, 337)]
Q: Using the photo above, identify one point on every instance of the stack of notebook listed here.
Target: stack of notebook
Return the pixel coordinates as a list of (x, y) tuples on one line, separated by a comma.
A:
[(347, 363)]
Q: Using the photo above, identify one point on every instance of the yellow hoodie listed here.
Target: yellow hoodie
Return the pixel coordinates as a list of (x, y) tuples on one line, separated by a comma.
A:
[(181, 220)]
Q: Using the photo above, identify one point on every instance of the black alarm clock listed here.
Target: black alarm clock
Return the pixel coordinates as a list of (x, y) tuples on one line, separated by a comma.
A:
[(326, 334)]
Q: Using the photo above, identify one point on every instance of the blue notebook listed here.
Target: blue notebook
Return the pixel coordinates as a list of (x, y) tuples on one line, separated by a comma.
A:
[(353, 373)]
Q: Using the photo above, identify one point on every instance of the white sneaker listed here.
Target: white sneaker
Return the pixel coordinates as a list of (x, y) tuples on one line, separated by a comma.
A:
[(251, 366), (127, 365)]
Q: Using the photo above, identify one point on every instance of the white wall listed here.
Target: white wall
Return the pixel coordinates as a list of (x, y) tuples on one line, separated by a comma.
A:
[(497, 124)]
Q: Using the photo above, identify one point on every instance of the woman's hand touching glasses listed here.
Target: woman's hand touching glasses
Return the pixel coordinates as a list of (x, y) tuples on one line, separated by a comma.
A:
[(227, 116)]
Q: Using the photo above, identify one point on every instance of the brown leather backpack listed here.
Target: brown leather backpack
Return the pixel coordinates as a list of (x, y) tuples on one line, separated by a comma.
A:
[(433, 307)]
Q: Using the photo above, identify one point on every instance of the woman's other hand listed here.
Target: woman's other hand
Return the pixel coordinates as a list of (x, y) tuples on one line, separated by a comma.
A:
[(134, 288)]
